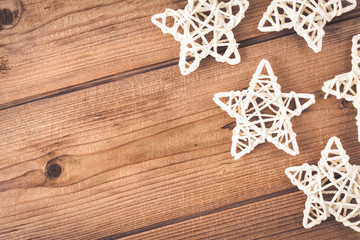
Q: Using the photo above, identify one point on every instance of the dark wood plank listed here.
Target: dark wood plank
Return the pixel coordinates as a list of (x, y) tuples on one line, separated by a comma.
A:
[(56, 45), (150, 149)]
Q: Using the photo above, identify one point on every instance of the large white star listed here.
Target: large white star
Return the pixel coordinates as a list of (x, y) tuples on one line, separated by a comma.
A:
[(263, 113), (347, 85), (332, 187), (204, 27), (307, 17)]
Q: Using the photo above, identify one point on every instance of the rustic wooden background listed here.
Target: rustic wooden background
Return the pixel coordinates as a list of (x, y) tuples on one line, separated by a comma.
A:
[(101, 136)]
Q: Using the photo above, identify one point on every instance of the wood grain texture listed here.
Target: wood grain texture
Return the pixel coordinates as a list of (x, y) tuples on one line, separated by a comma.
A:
[(144, 151)]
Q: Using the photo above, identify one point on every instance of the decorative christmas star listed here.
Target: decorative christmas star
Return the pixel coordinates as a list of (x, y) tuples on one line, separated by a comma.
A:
[(204, 27), (332, 187), (307, 17), (263, 112), (347, 85)]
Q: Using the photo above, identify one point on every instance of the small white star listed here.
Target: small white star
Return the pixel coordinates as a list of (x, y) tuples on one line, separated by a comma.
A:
[(332, 187), (307, 17), (347, 85), (204, 28), (263, 113)]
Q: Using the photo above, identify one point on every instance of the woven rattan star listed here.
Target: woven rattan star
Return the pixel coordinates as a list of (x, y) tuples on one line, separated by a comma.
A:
[(204, 27), (307, 17), (263, 113), (332, 187), (347, 85)]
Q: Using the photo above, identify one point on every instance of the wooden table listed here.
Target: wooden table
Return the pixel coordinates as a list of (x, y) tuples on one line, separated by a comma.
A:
[(102, 137)]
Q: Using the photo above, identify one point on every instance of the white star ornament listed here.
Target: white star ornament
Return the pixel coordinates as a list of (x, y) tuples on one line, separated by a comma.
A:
[(204, 27), (263, 113)]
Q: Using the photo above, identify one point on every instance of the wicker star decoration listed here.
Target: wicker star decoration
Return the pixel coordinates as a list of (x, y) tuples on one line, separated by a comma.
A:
[(204, 27), (263, 112), (347, 85), (332, 187), (307, 17)]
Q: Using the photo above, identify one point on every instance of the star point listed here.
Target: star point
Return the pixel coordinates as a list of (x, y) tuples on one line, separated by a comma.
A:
[(332, 187), (263, 113), (347, 85), (307, 17), (204, 27)]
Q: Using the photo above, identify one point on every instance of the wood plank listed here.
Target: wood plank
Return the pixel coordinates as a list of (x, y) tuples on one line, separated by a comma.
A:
[(60, 44), (150, 148), (274, 218), (63, 43)]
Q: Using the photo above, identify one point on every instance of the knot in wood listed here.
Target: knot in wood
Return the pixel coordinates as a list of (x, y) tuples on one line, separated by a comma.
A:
[(54, 170), (10, 12)]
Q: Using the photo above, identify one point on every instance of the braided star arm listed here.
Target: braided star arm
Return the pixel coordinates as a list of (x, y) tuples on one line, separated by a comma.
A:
[(244, 140), (314, 212), (231, 102), (295, 103), (342, 86), (308, 179), (283, 136)]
